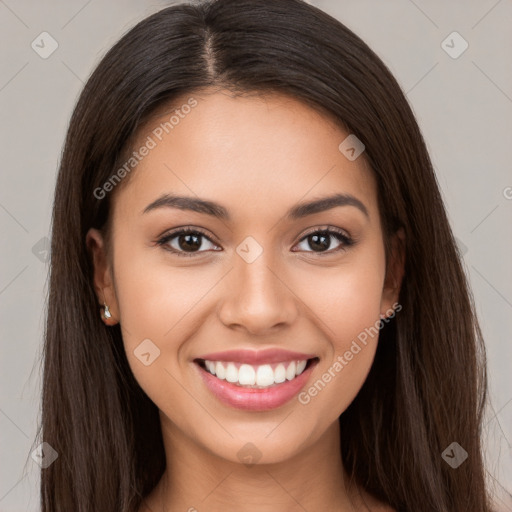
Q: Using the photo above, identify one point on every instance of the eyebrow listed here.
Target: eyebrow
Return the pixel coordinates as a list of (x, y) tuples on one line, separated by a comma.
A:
[(298, 211)]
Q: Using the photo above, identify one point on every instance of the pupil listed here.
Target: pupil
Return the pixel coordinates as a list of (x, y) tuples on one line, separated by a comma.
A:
[(316, 241), (188, 245)]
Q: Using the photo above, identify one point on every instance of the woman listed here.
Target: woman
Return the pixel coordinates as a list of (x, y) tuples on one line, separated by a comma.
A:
[(256, 301)]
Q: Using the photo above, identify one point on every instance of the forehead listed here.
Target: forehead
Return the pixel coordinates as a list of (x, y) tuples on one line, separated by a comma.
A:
[(251, 153)]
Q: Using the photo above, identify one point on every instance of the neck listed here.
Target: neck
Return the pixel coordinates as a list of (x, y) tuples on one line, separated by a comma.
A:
[(196, 479)]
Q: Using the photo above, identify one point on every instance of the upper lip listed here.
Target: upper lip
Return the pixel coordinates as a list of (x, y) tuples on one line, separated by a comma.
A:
[(255, 357)]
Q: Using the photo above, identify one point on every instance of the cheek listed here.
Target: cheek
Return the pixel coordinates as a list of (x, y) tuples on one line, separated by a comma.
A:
[(348, 298), (354, 305), (348, 304), (157, 303)]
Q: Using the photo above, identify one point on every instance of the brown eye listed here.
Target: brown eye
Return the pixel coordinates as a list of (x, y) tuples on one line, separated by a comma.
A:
[(320, 241), (186, 242), (189, 242)]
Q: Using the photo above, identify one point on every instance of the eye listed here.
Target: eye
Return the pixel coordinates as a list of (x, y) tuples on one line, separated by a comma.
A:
[(191, 241), (186, 242), (320, 240)]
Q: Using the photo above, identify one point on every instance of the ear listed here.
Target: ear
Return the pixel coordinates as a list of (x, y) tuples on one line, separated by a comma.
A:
[(394, 274), (103, 282)]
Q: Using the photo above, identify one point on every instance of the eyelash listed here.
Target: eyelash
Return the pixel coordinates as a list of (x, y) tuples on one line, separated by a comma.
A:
[(346, 240)]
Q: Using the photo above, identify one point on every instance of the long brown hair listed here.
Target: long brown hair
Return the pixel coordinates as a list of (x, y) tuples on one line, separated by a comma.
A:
[(427, 386)]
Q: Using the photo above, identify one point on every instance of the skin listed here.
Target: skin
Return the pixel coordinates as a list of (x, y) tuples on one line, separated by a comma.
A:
[(258, 157)]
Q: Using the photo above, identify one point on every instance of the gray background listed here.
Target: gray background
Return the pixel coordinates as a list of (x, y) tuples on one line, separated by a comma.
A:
[(464, 108)]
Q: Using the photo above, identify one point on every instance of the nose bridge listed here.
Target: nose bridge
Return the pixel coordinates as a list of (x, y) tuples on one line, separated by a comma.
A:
[(257, 279), (256, 297)]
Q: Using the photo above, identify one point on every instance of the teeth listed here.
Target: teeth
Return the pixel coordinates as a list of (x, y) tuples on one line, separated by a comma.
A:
[(265, 375), (220, 370), (300, 367), (246, 375), (232, 373), (290, 371), (261, 376), (280, 373)]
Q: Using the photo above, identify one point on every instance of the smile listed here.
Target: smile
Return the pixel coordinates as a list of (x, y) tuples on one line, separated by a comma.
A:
[(255, 387), (259, 377)]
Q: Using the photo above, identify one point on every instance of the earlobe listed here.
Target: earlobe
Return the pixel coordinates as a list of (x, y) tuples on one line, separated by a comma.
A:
[(102, 281), (394, 274)]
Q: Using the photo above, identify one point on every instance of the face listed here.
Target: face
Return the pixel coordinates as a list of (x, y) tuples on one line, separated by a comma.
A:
[(255, 274)]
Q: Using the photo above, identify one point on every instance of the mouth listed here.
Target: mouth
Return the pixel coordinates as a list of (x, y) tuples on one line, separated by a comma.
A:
[(255, 387), (256, 376)]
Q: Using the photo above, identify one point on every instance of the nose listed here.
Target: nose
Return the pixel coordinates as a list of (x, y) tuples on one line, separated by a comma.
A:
[(257, 299)]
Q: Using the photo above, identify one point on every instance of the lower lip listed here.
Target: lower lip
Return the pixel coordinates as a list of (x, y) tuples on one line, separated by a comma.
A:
[(253, 399)]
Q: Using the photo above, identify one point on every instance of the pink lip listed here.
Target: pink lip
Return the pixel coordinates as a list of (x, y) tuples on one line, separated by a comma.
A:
[(255, 357), (253, 399)]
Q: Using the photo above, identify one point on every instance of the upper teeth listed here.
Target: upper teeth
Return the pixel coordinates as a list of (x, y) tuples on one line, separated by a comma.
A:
[(249, 375)]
